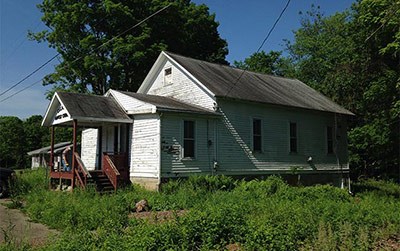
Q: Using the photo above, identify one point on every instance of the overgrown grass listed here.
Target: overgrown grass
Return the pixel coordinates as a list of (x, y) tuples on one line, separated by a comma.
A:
[(256, 215)]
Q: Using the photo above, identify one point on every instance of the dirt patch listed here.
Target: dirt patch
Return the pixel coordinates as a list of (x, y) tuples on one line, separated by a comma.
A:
[(17, 228), (390, 244), (159, 216)]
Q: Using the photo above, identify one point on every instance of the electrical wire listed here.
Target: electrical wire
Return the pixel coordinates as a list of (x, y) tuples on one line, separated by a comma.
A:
[(30, 74), (55, 56), (262, 44)]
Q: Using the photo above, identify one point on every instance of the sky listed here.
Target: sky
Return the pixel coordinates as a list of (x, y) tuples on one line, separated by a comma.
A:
[(244, 24)]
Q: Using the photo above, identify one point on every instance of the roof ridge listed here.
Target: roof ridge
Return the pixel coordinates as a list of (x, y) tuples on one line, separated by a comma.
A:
[(228, 66)]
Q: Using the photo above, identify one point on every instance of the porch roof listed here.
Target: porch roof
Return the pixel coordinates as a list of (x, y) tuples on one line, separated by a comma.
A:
[(86, 109), (46, 149)]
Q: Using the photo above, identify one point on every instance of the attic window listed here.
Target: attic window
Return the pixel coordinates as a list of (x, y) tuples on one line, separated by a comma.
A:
[(168, 75)]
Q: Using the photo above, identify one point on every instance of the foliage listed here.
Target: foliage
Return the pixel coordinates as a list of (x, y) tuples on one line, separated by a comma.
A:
[(353, 57), (17, 137), (101, 46), (12, 142), (271, 63), (256, 215)]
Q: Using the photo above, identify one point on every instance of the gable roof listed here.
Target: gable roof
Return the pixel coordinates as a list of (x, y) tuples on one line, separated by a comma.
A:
[(86, 108), (163, 103), (229, 82)]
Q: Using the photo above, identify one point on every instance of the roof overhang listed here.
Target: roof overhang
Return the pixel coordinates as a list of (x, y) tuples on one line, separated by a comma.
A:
[(57, 114)]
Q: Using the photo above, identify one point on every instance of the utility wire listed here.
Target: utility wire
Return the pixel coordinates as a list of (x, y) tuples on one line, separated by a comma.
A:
[(55, 56), (29, 86), (30, 74), (262, 44)]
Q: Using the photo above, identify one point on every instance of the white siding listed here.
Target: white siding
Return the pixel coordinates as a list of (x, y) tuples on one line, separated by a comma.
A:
[(130, 104), (182, 87), (89, 148), (145, 146), (235, 154), (173, 164)]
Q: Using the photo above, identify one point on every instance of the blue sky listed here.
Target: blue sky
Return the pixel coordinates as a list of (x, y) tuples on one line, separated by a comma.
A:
[(244, 24)]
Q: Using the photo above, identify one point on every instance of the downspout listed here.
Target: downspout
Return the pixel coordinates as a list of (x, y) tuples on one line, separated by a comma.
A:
[(336, 153)]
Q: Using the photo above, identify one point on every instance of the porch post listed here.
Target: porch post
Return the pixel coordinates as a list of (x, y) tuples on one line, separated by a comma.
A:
[(51, 164), (73, 153)]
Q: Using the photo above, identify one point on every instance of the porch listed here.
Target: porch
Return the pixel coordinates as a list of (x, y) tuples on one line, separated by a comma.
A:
[(84, 111)]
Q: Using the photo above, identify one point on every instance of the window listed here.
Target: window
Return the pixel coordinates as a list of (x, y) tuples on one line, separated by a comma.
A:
[(188, 139), (329, 139), (168, 75), (293, 137), (257, 139)]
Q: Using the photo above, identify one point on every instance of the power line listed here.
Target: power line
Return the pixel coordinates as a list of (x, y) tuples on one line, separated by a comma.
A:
[(122, 33), (262, 44), (29, 86), (30, 74)]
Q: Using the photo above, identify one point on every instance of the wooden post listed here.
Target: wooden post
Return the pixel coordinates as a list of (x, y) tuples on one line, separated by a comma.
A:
[(51, 164), (73, 153)]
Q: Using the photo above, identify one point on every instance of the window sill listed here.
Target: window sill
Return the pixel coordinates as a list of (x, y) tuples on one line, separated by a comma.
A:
[(188, 159)]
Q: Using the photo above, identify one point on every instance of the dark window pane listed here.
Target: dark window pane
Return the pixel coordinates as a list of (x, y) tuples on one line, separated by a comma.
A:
[(188, 139), (293, 145), (329, 137), (188, 148), (257, 143), (293, 130), (293, 137), (256, 126), (188, 130), (257, 134)]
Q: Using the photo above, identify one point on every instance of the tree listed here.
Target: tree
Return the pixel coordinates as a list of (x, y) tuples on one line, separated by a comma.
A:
[(272, 63), (354, 58), (35, 133), (12, 142), (100, 49)]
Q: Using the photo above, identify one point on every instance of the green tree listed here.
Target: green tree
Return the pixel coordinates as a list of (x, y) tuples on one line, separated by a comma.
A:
[(12, 142), (99, 50), (354, 58), (271, 63), (35, 133)]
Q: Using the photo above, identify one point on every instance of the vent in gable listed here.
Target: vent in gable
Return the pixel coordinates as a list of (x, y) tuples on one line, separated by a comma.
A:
[(168, 76)]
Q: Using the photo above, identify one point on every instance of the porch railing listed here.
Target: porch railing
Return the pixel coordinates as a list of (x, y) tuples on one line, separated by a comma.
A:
[(115, 168), (82, 174)]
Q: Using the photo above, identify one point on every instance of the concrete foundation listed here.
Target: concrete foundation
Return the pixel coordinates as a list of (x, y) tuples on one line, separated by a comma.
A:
[(148, 183)]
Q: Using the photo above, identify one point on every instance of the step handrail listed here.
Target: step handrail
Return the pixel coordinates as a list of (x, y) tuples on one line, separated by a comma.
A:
[(110, 170), (81, 169)]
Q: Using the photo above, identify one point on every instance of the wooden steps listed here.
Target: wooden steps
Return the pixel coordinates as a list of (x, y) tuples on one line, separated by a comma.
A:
[(101, 182)]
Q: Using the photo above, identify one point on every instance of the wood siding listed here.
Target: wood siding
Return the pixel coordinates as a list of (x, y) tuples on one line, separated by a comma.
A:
[(130, 104), (181, 87), (235, 155), (173, 163), (145, 146), (89, 148)]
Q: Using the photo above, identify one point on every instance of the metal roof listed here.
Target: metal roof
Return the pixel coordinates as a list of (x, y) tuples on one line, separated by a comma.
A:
[(46, 149), (168, 103), (229, 82)]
